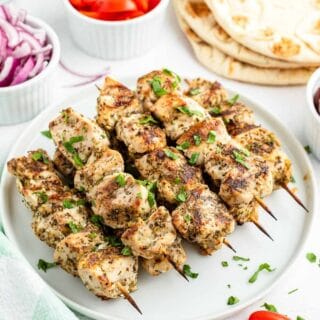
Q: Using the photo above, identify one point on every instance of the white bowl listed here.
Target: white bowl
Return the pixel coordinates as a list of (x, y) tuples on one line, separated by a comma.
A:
[(24, 101), (116, 39), (312, 124)]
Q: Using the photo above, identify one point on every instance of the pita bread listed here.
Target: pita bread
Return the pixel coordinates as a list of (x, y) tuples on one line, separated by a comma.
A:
[(199, 17), (282, 29), (228, 67)]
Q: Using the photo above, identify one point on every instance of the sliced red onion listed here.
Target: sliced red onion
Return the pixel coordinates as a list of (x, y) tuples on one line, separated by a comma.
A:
[(24, 51), (8, 70), (24, 72)]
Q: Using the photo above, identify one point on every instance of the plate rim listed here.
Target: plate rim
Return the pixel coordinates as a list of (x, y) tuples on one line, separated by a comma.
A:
[(296, 145)]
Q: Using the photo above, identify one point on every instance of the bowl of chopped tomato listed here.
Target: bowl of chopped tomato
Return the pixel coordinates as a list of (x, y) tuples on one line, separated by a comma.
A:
[(115, 29)]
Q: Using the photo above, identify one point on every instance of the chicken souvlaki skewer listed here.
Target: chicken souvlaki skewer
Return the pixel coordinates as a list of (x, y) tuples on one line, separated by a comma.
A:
[(239, 187), (240, 123), (123, 202), (61, 219), (202, 219)]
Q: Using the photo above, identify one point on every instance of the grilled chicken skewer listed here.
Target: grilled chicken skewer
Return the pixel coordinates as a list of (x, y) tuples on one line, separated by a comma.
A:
[(166, 166), (179, 114), (121, 201), (241, 125), (61, 220)]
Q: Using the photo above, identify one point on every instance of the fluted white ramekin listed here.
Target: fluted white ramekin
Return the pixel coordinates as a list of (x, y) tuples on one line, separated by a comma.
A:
[(116, 39), (312, 124), (24, 101)]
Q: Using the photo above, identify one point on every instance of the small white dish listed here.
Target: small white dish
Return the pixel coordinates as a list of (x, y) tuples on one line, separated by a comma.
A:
[(24, 101), (169, 296), (312, 124), (116, 39)]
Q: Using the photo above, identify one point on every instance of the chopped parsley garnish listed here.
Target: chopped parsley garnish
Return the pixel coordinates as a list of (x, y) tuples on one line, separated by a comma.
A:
[(183, 146), (42, 197), (177, 180), (120, 180), (299, 318), (187, 271), (92, 235), (97, 220), (187, 218), (311, 257), (170, 154), (308, 149), (240, 157), (237, 258), (194, 91), (194, 158), (263, 266), (229, 286), (216, 111), (197, 139), (269, 307), (232, 300), (139, 195), (182, 195), (126, 251), (190, 113), (39, 156), (157, 87), (211, 137), (113, 241), (224, 264), (150, 185), (147, 120), (44, 265), (71, 203), (75, 228), (234, 100), (292, 291), (47, 134), (69, 147), (151, 199)]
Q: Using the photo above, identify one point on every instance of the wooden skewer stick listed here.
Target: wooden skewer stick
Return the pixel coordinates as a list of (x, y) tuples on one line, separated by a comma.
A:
[(176, 267), (99, 89), (265, 208), (227, 243), (128, 297), (263, 230), (285, 187)]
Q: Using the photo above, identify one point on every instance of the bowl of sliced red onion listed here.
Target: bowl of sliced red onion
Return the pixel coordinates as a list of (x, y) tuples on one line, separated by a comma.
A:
[(29, 58)]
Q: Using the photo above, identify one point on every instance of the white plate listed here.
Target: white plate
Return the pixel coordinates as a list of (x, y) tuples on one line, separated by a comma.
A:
[(169, 296)]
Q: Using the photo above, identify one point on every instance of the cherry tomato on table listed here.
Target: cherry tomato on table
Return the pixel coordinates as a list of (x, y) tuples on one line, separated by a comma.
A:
[(267, 315)]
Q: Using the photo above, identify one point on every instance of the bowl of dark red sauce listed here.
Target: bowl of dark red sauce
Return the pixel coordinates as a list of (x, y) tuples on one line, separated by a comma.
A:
[(115, 29), (312, 126)]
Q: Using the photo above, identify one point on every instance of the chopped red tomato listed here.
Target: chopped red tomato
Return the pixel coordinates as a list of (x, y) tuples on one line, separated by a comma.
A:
[(114, 9), (267, 315)]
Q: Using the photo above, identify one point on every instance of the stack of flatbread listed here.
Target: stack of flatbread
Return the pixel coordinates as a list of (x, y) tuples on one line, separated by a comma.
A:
[(271, 42)]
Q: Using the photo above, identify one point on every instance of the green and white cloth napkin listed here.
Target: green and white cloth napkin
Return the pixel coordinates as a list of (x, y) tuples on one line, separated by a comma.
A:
[(23, 294)]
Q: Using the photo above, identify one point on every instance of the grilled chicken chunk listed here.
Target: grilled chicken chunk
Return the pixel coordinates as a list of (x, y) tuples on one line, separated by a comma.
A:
[(105, 270), (265, 144), (73, 247), (139, 134), (245, 212), (57, 226), (153, 237), (155, 84), (178, 114), (203, 219), (75, 136), (102, 162), (208, 94), (175, 255), (120, 200), (114, 102), (202, 138), (63, 165), (171, 171)]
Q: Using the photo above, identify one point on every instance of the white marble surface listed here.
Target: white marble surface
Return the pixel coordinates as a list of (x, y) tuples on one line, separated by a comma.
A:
[(173, 51)]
